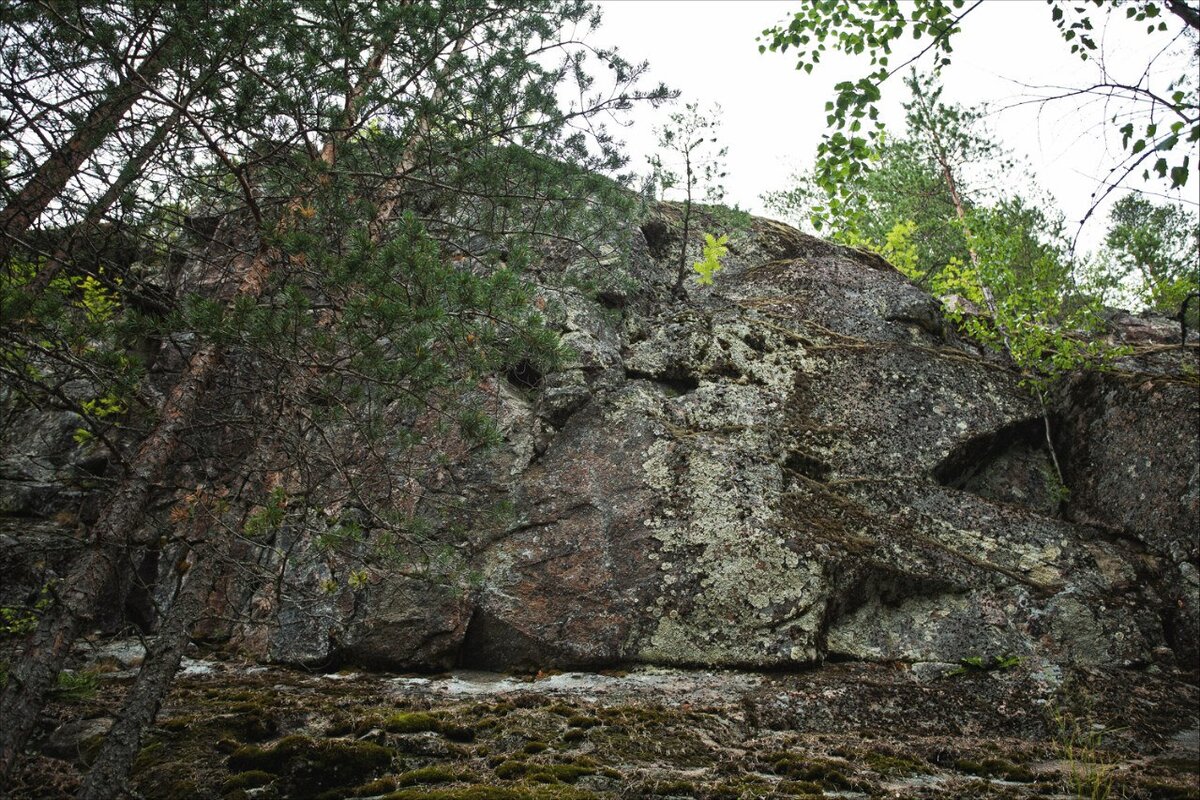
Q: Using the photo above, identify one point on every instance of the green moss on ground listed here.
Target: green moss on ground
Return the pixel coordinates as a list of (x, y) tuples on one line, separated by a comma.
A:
[(435, 774), (827, 774), (524, 792), (248, 780), (412, 722), (219, 743), (890, 765)]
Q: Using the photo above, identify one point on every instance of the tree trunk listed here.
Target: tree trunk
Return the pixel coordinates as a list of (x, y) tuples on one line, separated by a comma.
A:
[(687, 221), (989, 296), (50, 644), (35, 673), (114, 762), (355, 93), (1190, 15), (390, 190), (53, 174)]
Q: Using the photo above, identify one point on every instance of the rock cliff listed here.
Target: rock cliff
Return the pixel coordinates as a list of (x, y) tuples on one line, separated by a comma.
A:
[(801, 463)]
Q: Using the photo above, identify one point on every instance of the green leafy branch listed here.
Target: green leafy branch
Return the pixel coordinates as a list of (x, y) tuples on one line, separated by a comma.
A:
[(873, 28), (714, 251), (870, 28)]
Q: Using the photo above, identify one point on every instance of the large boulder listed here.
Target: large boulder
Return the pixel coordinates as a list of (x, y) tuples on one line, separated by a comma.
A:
[(1130, 444)]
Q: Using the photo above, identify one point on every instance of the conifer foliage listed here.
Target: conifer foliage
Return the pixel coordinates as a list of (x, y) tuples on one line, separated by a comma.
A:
[(233, 233)]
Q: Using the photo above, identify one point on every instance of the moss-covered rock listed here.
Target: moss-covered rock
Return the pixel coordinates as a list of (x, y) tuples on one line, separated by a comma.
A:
[(432, 775), (252, 779), (412, 722), (309, 767), (995, 768)]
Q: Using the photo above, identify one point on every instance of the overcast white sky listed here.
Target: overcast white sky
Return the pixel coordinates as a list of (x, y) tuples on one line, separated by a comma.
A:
[(773, 116)]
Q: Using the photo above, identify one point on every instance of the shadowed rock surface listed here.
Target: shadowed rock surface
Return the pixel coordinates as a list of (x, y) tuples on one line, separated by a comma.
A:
[(801, 462)]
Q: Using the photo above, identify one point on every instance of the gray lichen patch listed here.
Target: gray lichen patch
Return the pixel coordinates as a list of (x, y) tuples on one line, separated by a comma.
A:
[(733, 591)]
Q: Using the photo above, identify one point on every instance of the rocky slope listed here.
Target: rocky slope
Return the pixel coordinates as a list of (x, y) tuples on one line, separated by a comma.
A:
[(239, 731), (803, 465)]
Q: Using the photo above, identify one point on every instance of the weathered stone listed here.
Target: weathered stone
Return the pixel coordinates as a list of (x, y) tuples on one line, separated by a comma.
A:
[(413, 624), (569, 581), (78, 740), (1131, 459), (801, 462), (40, 463)]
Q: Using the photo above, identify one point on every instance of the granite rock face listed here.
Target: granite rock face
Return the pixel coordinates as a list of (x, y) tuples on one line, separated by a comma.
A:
[(805, 462), (1131, 443), (801, 462)]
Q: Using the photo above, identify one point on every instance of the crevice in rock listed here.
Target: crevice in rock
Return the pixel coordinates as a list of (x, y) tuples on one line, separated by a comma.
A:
[(885, 587), (658, 238), (891, 589), (524, 375), (611, 299), (728, 370), (1179, 631), (756, 342), (801, 463), (1008, 465), (489, 643), (139, 606), (672, 385), (973, 456), (96, 466)]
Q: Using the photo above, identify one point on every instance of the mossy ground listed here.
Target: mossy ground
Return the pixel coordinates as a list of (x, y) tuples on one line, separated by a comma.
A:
[(238, 734)]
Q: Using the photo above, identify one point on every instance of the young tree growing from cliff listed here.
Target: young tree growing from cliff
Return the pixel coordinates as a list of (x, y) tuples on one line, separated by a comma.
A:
[(920, 197), (901, 209), (687, 142), (1005, 256)]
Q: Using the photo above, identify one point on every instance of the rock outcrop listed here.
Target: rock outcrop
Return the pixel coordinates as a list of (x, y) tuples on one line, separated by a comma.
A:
[(803, 462)]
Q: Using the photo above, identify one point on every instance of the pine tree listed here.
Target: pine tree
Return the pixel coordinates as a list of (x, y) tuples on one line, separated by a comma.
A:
[(689, 158), (342, 152)]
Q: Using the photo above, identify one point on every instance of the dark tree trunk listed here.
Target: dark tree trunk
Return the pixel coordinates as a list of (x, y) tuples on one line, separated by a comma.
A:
[(95, 216), (114, 762), (687, 222), (209, 531), (43, 658), (114, 532)]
